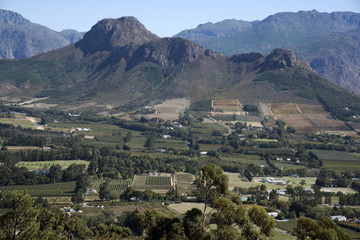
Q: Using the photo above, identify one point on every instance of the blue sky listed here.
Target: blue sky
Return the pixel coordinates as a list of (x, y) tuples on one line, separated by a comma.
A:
[(163, 17)]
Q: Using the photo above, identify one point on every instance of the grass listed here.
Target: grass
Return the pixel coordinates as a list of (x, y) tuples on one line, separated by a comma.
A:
[(47, 164), (184, 182), (245, 160), (170, 143), (186, 206), (287, 226), (25, 123), (64, 189), (282, 235)]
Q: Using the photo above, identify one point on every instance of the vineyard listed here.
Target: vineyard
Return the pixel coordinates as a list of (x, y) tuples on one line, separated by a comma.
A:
[(154, 183), (117, 185), (184, 182)]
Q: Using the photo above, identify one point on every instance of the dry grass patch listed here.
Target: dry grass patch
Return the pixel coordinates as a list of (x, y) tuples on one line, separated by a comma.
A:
[(170, 109)]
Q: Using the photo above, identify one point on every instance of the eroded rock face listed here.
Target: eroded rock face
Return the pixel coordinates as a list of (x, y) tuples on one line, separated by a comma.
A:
[(170, 51), (279, 59), (110, 33)]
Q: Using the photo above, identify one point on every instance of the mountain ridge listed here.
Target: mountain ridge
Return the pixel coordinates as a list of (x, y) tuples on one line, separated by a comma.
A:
[(127, 75), (21, 38), (298, 31)]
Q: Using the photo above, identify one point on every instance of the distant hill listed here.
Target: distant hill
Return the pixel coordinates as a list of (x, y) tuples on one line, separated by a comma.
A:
[(120, 65), (21, 39), (310, 33)]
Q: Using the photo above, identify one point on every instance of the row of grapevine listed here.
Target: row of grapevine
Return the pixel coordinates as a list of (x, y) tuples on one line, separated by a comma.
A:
[(116, 185), (158, 180)]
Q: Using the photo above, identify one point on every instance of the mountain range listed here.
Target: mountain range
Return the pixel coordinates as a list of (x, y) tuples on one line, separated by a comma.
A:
[(21, 39), (120, 65), (328, 41)]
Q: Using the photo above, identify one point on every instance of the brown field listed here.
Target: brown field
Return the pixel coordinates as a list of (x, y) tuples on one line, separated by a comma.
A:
[(290, 114), (265, 110), (228, 105), (323, 119), (170, 109)]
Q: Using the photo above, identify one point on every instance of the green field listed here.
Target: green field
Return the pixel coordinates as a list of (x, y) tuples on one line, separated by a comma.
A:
[(153, 183), (170, 143), (208, 127), (47, 164), (25, 123), (245, 160), (338, 160), (116, 186), (64, 189)]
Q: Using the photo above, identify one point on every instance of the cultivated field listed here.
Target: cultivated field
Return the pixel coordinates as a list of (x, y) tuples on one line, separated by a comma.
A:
[(161, 183), (323, 119), (338, 160), (227, 105), (47, 164), (19, 121), (170, 109), (314, 118), (64, 189), (184, 182), (288, 113), (116, 185)]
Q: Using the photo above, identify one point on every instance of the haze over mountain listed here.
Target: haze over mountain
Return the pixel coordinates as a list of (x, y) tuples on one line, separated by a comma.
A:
[(119, 64), (328, 41), (21, 39)]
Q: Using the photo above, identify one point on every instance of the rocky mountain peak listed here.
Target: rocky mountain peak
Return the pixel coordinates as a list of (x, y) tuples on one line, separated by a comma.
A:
[(109, 33), (170, 52), (10, 17), (281, 58)]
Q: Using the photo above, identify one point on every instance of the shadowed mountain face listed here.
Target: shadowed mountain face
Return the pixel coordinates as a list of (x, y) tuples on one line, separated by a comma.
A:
[(119, 63), (21, 39), (326, 40)]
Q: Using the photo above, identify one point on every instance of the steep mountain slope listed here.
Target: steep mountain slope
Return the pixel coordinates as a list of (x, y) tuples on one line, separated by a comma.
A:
[(21, 39), (328, 40), (121, 65)]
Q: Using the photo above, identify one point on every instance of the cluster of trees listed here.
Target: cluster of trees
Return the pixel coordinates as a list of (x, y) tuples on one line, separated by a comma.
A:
[(28, 220), (307, 228), (22, 176)]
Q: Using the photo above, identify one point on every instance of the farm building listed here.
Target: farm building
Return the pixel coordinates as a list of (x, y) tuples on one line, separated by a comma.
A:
[(273, 214), (339, 218)]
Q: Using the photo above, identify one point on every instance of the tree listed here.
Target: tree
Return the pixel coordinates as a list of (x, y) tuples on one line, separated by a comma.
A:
[(21, 221), (192, 223), (326, 229), (213, 183), (265, 222), (104, 192), (55, 173)]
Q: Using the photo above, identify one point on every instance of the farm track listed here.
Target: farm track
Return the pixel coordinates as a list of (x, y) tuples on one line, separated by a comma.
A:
[(307, 118)]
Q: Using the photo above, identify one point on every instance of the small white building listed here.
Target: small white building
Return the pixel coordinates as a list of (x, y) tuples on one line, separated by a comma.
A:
[(166, 136), (340, 218), (273, 214), (203, 153)]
